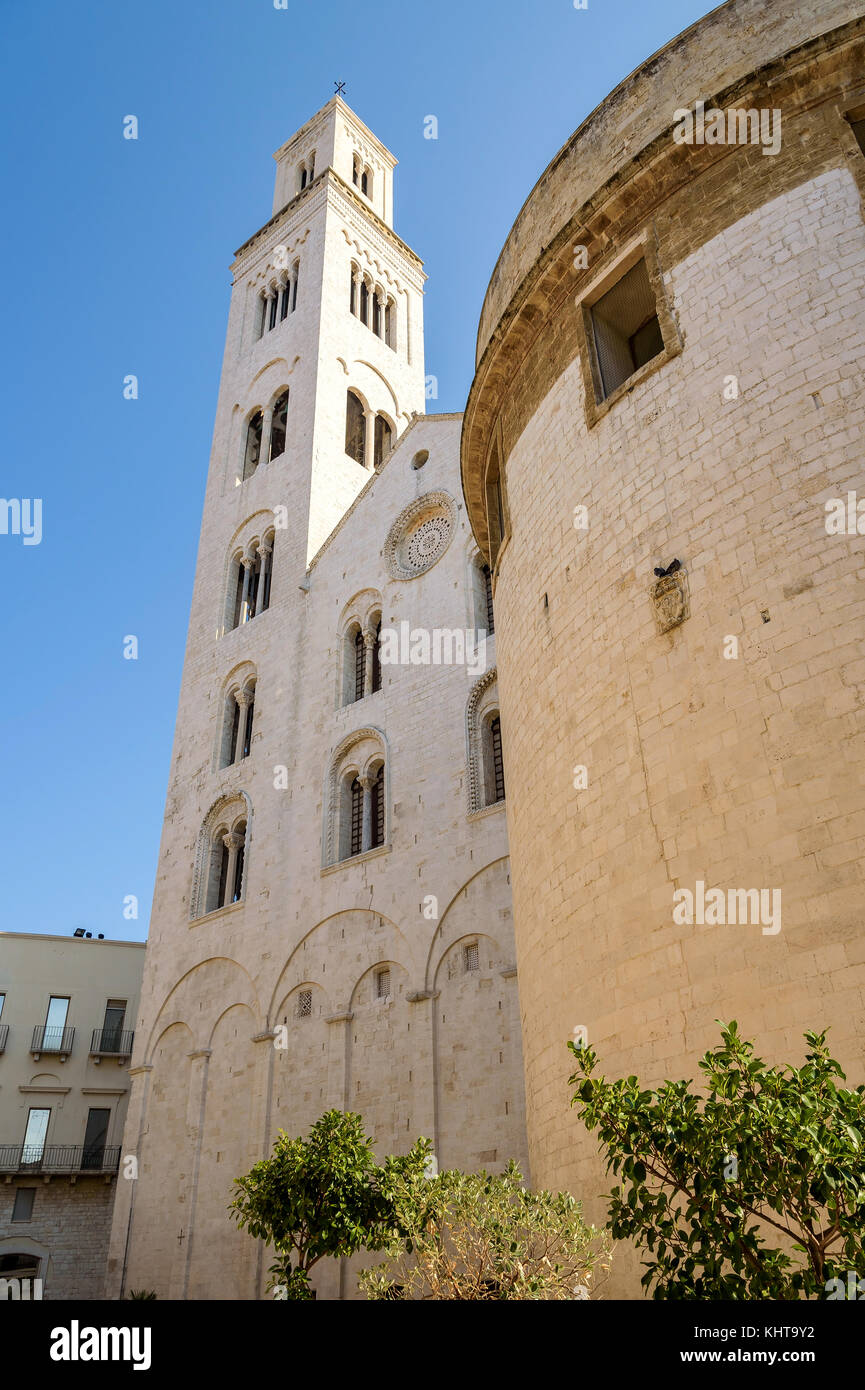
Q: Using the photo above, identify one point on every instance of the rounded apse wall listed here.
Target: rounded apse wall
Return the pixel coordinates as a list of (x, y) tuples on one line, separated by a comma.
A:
[(670, 368)]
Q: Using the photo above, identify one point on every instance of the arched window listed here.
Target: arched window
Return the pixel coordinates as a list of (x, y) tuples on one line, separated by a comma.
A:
[(364, 302), (356, 815), (390, 323), (359, 664), (376, 313), (359, 639), (220, 872), (355, 171), (366, 183), (355, 428), (230, 885), (376, 659), (494, 772), (352, 292), (383, 439), (377, 809), (252, 451), (356, 834), (284, 297), (238, 721), (302, 176), (486, 779), (249, 583), (295, 276), (227, 887), (279, 425)]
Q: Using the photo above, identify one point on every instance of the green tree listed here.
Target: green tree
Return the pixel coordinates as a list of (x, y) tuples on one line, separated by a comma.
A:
[(483, 1236), (322, 1196), (767, 1154)]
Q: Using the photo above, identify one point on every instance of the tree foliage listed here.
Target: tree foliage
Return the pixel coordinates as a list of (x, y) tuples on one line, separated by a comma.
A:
[(322, 1196), (769, 1154), (483, 1236)]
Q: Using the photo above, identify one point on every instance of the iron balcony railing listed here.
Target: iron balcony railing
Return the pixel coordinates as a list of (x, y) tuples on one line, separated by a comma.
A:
[(59, 1158), (47, 1039), (111, 1042), (4, 1034)]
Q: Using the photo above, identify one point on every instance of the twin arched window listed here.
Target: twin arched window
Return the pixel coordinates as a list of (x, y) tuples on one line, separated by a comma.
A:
[(221, 872), (366, 814), (368, 437), (362, 660), (250, 582), (372, 305), (266, 434), (356, 799), (305, 172), (486, 780), (361, 176), (237, 724)]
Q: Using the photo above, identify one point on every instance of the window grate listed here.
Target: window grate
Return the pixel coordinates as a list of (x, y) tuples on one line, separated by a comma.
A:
[(471, 957), (304, 1003), (356, 817), (498, 764)]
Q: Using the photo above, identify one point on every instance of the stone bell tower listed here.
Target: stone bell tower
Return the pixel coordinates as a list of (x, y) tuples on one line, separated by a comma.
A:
[(326, 301)]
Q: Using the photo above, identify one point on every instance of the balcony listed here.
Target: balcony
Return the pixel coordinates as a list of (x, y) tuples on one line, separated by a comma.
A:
[(59, 1159), (111, 1042), (57, 1041), (4, 1034)]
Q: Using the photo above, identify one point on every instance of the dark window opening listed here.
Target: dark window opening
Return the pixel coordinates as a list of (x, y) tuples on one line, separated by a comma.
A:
[(383, 436), (359, 661), (279, 425), (253, 444), (355, 428), (356, 836), (376, 659), (626, 329), (377, 795)]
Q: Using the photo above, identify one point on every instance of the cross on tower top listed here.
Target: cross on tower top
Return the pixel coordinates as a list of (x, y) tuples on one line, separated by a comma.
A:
[(339, 88)]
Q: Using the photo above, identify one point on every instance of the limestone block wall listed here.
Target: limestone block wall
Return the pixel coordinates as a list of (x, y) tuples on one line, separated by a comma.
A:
[(68, 1233), (441, 1055), (727, 750)]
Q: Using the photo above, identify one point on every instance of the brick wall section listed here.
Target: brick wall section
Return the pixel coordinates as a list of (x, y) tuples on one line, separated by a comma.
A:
[(743, 773), (71, 1221)]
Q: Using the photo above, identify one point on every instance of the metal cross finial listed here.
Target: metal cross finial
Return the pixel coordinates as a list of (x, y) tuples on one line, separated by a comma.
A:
[(339, 88)]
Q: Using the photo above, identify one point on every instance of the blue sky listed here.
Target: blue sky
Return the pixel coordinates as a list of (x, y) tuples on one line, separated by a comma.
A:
[(116, 258)]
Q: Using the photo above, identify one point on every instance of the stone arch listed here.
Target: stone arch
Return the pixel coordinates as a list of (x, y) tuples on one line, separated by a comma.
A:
[(361, 615), (229, 809), (483, 702), (181, 1003), (359, 754)]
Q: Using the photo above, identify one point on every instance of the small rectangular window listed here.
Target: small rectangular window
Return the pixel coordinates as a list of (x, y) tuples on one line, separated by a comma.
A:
[(471, 959), (23, 1208), (626, 330), (382, 984), (304, 1003)]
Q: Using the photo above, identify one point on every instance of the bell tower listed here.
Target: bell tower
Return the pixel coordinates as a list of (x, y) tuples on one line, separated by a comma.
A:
[(326, 305)]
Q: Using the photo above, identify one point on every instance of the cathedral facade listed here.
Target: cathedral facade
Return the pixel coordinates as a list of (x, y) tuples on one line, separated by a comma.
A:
[(663, 430)]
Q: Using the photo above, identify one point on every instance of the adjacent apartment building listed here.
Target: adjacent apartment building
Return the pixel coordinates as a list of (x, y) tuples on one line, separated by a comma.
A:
[(67, 1017)]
